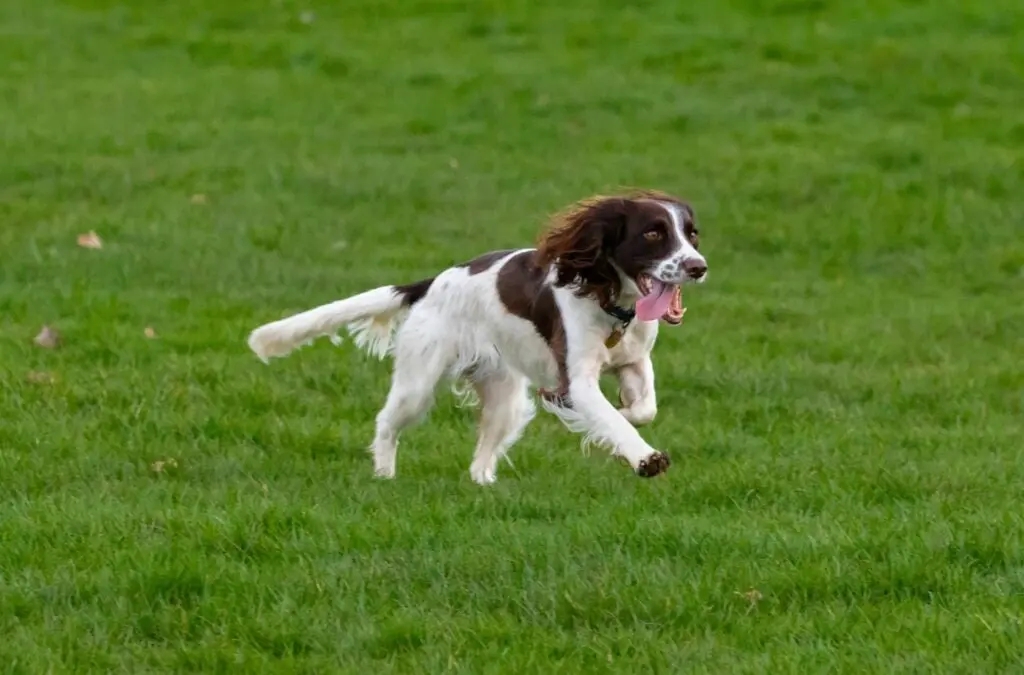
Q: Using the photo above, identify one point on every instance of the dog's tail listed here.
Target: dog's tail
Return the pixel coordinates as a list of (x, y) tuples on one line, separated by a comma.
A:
[(370, 317)]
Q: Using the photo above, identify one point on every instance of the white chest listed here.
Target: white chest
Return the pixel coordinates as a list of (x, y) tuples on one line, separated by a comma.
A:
[(636, 343)]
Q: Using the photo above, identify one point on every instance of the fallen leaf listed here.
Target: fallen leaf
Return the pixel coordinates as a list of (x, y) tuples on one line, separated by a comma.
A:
[(48, 338), (90, 240), (161, 464), (753, 596), (198, 198), (149, 332), (39, 377)]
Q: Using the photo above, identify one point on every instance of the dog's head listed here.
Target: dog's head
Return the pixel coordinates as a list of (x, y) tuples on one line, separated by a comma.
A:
[(640, 247)]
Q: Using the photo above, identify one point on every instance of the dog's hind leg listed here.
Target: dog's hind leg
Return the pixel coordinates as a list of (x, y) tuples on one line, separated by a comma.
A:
[(506, 408), (421, 361)]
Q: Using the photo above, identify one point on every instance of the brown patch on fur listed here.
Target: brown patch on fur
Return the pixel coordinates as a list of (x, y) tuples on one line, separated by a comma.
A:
[(584, 240), (414, 292), (522, 290), (578, 240), (690, 230), (690, 218), (486, 261)]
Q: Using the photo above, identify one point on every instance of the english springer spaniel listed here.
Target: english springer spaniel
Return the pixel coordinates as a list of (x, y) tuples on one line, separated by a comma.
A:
[(587, 299)]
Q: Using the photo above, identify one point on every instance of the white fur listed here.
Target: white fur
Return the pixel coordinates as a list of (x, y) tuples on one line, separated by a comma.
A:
[(460, 330), (370, 317)]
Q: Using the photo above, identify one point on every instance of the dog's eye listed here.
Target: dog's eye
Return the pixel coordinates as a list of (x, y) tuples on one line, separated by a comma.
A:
[(653, 235)]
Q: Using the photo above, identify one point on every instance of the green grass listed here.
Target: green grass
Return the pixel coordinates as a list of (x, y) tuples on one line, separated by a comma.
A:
[(843, 404)]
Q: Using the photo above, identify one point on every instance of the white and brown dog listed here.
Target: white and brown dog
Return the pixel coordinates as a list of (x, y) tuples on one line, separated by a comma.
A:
[(586, 300)]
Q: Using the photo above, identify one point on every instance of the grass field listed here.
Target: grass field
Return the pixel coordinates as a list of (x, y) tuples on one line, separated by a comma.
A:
[(843, 404)]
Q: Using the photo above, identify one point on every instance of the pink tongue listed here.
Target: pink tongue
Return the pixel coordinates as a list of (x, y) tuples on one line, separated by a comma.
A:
[(654, 305)]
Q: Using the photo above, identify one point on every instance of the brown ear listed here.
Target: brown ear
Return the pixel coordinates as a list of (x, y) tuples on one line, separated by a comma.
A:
[(580, 242)]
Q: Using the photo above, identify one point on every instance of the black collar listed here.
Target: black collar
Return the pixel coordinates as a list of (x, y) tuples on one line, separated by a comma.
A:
[(623, 315)]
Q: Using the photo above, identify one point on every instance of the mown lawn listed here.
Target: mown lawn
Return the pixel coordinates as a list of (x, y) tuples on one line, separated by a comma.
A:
[(843, 403)]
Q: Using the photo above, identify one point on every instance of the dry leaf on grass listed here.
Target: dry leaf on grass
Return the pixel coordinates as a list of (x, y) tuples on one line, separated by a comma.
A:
[(48, 338), (161, 465), (753, 596), (90, 240), (40, 377), (149, 332)]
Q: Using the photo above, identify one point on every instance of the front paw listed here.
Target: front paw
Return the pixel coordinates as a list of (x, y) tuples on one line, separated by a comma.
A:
[(652, 465)]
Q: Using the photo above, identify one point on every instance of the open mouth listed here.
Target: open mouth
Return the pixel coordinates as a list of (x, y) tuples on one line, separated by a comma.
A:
[(660, 300)]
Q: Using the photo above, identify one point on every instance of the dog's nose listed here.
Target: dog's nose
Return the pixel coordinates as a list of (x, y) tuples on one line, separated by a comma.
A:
[(695, 269)]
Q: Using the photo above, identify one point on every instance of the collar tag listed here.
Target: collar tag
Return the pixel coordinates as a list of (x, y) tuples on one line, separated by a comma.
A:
[(623, 318)]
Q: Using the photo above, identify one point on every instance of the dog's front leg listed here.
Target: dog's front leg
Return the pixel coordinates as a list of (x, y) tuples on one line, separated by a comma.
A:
[(600, 421), (636, 392)]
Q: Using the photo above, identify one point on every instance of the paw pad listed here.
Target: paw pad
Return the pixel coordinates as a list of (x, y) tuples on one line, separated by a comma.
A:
[(653, 465)]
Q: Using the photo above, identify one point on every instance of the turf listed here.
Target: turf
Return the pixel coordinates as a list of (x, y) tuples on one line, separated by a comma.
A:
[(843, 403)]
